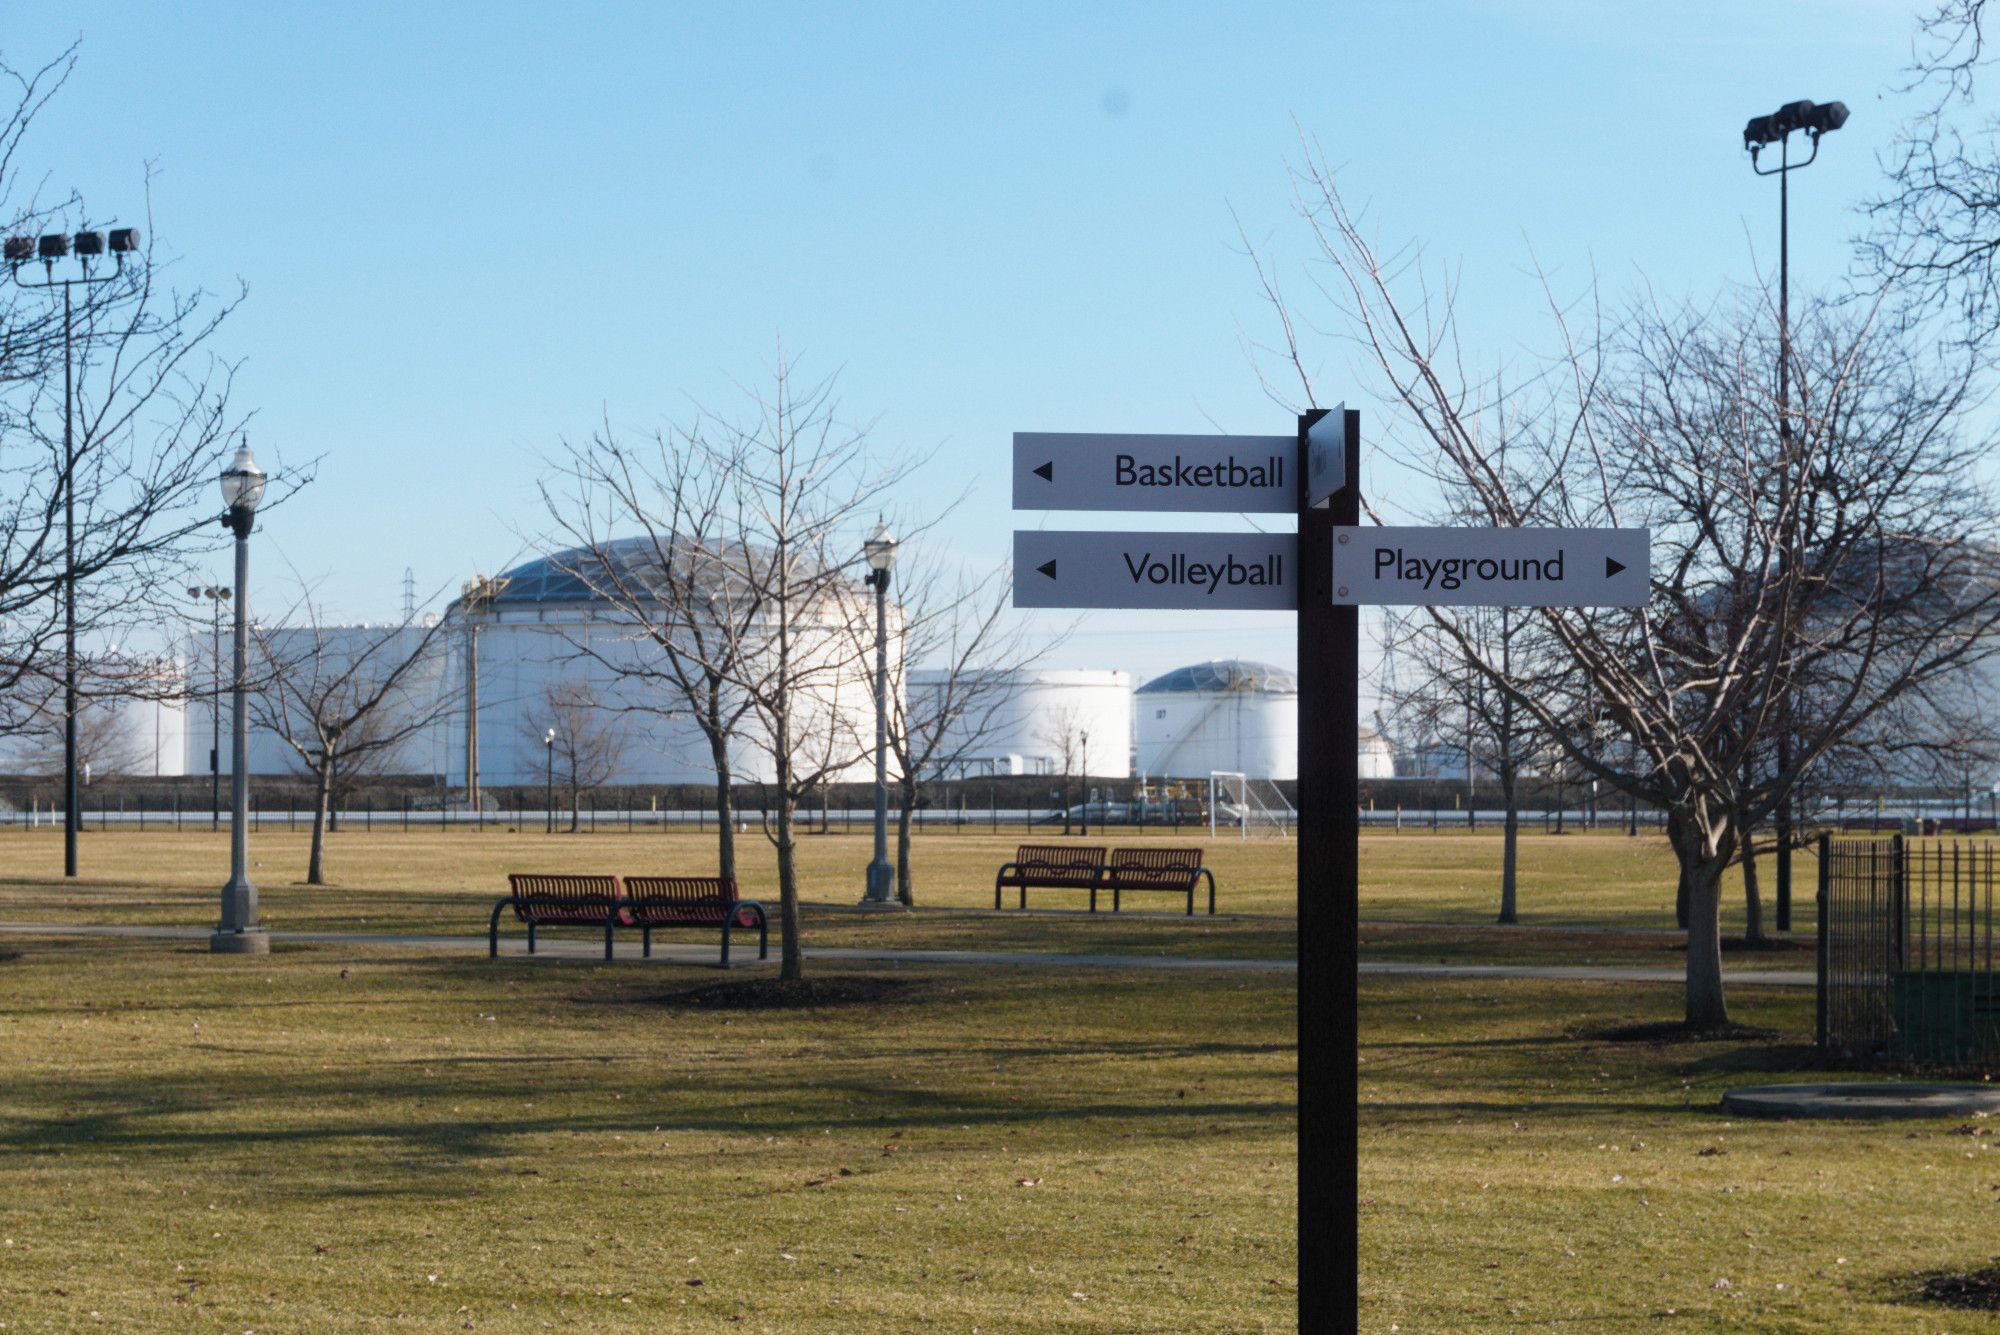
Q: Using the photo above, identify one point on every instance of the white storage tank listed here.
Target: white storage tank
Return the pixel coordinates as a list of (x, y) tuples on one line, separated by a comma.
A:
[(1028, 719), (1230, 715)]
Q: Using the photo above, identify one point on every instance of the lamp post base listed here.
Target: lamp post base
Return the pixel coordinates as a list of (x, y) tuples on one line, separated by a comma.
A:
[(254, 941), (881, 887)]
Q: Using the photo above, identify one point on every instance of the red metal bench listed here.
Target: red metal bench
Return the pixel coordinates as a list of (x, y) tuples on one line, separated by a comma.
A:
[(1051, 867), (543, 900), (1171, 869), (693, 901)]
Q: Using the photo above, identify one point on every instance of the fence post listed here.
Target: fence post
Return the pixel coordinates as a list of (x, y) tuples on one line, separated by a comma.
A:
[(1824, 899), (1899, 906)]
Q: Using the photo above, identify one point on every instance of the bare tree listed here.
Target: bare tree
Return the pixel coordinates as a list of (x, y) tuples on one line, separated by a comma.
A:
[(784, 488), (1440, 691), (953, 625), (1854, 553), (346, 700), (586, 741), (687, 619), (1061, 730), (121, 504), (1933, 234)]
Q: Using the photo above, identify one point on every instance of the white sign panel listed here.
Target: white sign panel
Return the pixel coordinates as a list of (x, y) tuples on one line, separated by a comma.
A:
[(1227, 474), (1168, 571), (1326, 455), (1492, 567)]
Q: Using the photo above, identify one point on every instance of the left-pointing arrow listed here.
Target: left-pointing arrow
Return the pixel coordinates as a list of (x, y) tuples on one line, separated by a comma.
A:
[(1047, 472), (1048, 568)]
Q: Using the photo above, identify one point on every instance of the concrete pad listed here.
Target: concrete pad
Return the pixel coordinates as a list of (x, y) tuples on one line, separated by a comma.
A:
[(1872, 1099)]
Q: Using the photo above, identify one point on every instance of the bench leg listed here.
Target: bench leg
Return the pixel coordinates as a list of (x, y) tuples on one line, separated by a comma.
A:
[(1093, 898), (610, 924), (647, 951), (996, 893), (493, 930), (531, 938), (763, 937), (1211, 890)]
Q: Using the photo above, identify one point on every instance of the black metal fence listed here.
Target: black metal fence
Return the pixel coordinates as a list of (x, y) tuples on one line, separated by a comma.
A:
[(1906, 951)]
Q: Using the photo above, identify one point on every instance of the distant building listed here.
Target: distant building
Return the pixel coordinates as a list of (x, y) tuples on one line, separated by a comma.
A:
[(1027, 717)]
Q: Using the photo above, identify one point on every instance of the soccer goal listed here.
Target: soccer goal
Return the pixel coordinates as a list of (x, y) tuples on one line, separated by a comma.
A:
[(1254, 808)]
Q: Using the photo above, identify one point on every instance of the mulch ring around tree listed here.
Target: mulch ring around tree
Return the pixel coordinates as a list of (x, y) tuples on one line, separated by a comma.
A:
[(1972, 1291), (771, 994)]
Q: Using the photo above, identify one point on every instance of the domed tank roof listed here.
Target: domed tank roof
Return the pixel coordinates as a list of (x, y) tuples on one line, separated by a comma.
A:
[(566, 576), (1224, 674)]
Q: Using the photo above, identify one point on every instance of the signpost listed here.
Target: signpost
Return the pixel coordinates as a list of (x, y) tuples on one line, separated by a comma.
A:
[(1206, 474), (1325, 572), (1167, 571), (1326, 456), (1492, 567)]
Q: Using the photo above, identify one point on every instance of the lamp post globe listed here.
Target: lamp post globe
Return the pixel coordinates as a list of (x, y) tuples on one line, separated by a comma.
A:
[(880, 553), (240, 933)]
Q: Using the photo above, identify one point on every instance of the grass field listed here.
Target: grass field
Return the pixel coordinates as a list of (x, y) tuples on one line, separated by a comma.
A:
[(336, 1138), (332, 1139), (1520, 1172), (386, 877)]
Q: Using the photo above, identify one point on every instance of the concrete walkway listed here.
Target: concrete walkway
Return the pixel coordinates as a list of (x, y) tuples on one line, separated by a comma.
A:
[(743, 950), (698, 954)]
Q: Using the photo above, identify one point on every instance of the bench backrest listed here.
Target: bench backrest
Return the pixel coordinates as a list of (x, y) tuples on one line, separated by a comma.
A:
[(662, 898), (1142, 864), (548, 897), (1059, 857)]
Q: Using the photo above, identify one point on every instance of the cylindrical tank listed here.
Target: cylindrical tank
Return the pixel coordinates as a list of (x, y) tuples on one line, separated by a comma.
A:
[(1030, 720), (1230, 715)]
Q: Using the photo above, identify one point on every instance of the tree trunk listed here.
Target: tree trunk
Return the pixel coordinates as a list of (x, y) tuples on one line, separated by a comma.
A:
[(1753, 902), (575, 804), (904, 889), (1065, 799), (322, 803), (1701, 881), (1509, 846), (1681, 899), (725, 811), (1705, 1008), (788, 888)]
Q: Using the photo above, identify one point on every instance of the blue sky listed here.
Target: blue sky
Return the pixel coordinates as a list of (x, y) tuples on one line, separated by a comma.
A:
[(470, 231)]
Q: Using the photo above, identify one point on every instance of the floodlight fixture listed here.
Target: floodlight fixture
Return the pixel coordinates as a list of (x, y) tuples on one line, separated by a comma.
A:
[(53, 246), (124, 239), (89, 243), (19, 248)]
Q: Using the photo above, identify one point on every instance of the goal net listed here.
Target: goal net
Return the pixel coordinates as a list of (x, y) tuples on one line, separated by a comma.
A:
[(1253, 808)]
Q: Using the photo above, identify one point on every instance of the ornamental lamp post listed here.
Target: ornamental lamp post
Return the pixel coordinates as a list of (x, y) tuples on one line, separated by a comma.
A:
[(1762, 131), (880, 552), (240, 932), (87, 247)]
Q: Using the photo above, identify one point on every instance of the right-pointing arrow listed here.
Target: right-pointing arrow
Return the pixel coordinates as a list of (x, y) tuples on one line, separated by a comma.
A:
[(1048, 568), (1047, 472), (1612, 567)]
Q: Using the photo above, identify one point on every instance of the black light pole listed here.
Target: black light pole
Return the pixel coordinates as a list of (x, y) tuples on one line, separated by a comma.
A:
[(217, 596), (48, 249), (1083, 763), (880, 551), (1776, 128), (549, 784), (240, 933)]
